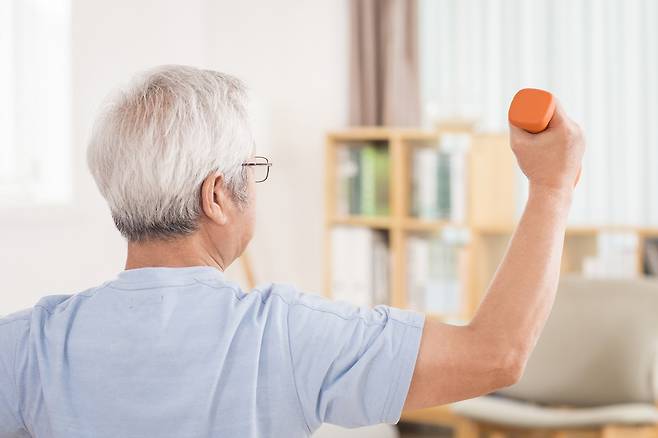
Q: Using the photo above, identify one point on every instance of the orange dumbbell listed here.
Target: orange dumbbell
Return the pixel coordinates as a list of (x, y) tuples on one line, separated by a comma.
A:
[(532, 110)]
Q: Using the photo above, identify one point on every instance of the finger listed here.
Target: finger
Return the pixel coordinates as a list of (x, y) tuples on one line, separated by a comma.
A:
[(580, 172), (520, 133)]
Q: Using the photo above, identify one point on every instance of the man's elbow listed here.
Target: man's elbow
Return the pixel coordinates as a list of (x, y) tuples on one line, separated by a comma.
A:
[(510, 367)]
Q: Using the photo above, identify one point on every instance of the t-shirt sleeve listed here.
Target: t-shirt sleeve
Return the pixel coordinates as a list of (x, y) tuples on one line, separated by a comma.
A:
[(352, 366), (11, 331)]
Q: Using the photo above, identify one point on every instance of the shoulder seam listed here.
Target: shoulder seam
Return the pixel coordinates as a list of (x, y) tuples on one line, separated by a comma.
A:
[(315, 309), (50, 310), (235, 291), (292, 369)]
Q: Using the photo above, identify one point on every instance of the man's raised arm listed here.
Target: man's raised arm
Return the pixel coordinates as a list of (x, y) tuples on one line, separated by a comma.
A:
[(460, 362)]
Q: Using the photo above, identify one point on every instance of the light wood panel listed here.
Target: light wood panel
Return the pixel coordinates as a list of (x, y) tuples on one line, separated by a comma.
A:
[(492, 182)]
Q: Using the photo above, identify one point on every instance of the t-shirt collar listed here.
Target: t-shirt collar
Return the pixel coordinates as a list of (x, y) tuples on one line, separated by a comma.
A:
[(159, 273)]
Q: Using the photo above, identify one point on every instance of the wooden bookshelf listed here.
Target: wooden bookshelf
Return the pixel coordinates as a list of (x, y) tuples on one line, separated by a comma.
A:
[(491, 207), (399, 224)]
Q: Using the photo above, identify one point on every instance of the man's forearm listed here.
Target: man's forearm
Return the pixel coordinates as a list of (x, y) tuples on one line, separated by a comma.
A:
[(521, 294)]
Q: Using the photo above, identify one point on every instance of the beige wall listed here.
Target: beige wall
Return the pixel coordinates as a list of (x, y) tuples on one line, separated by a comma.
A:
[(292, 54)]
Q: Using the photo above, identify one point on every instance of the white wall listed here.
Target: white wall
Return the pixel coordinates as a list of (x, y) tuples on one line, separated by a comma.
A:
[(293, 54), (294, 58)]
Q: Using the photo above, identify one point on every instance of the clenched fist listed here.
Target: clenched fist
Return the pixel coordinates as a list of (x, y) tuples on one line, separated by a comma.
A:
[(552, 158)]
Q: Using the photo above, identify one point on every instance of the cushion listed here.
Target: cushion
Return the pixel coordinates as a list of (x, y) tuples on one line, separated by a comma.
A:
[(599, 346), (503, 411)]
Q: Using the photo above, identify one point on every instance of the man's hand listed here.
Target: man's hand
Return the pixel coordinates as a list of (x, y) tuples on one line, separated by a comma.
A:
[(455, 363), (552, 158)]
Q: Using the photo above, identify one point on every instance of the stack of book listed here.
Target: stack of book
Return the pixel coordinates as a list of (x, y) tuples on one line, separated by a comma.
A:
[(650, 257), (616, 256), (363, 179), (360, 266), (433, 282), (439, 180)]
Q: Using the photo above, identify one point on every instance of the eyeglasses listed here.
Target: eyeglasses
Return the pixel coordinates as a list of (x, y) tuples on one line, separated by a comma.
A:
[(261, 167)]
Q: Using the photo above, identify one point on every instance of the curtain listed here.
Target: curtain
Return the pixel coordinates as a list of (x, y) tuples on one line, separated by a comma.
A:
[(35, 95), (384, 72), (599, 57)]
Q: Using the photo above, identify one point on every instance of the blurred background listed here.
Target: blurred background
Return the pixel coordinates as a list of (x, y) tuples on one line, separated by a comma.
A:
[(392, 182)]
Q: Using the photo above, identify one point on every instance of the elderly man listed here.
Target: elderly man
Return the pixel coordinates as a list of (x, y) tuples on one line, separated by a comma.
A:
[(170, 348)]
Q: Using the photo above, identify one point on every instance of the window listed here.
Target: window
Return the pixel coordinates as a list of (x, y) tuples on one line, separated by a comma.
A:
[(35, 95), (599, 57)]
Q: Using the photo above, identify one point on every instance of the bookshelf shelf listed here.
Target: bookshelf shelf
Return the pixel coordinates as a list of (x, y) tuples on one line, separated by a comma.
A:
[(380, 134), (416, 224), (387, 222), (381, 223), (494, 230), (648, 232)]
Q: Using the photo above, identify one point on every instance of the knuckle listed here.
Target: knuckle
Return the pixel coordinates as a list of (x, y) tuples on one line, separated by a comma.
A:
[(572, 133), (578, 134), (517, 146)]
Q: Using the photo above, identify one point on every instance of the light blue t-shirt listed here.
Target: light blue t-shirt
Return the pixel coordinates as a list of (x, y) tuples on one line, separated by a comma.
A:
[(184, 353)]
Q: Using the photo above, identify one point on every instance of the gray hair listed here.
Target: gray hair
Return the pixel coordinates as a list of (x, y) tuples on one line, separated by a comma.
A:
[(159, 139)]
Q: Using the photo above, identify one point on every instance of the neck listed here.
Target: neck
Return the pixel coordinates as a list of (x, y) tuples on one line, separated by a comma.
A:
[(176, 253)]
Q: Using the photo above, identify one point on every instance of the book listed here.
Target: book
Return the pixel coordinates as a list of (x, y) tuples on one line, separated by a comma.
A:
[(433, 275), (380, 269), (382, 172), (425, 189), (417, 272), (439, 187), (345, 170), (368, 180), (615, 257), (650, 257), (351, 279), (354, 181), (457, 146), (361, 266), (442, 182), (363, 179)]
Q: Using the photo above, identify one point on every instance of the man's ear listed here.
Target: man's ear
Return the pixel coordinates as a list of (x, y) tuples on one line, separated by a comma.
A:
[(214, 199)]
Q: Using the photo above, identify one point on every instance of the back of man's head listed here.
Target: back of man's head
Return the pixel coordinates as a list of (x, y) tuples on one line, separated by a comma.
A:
[(157, 140)]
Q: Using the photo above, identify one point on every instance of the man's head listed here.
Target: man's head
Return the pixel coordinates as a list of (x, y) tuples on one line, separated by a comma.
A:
[(167, 155)]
